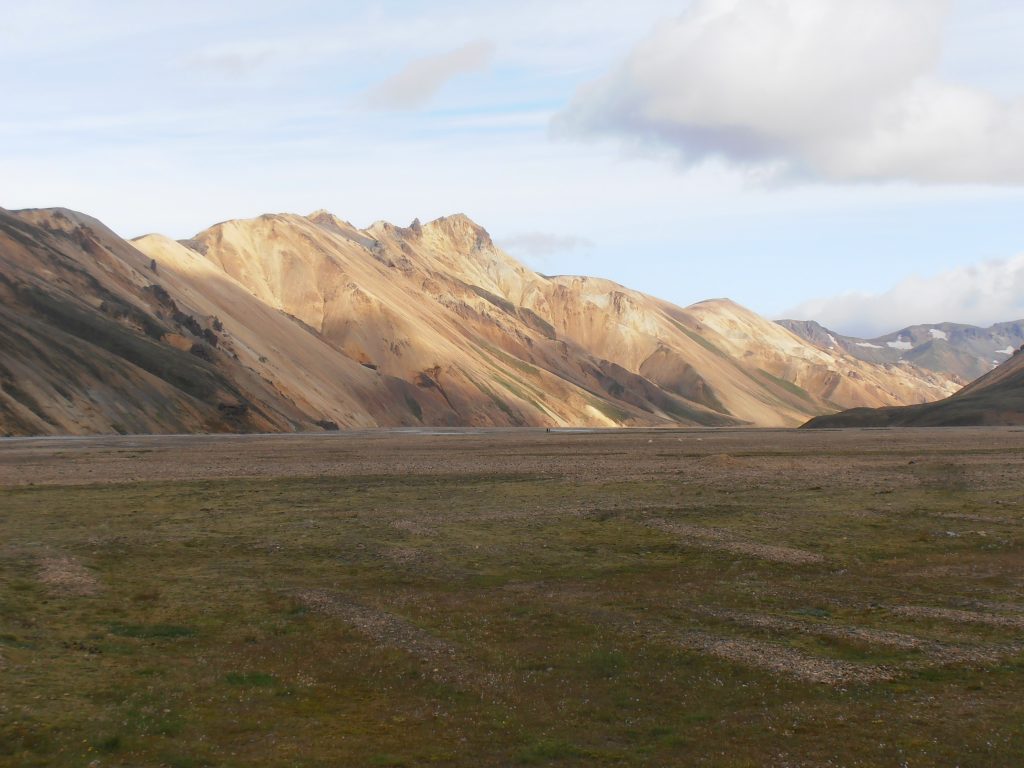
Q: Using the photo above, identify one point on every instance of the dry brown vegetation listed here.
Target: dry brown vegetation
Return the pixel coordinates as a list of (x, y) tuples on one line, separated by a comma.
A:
[(495, 598)]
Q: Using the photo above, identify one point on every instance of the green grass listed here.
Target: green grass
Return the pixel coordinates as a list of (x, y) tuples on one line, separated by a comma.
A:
[(789, 386), (515, 417), (548, 751), (611, 411), (708, 345), (515, 362), (251, 679), (150, 631), (558, 608)]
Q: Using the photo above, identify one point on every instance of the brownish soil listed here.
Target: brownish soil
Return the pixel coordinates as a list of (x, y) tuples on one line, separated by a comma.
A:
[(774, 458)]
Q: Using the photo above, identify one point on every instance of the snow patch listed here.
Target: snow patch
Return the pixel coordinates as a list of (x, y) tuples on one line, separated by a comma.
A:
[(1007, 351), (832, 340), (937, 334), (900, 344), (868, 345)]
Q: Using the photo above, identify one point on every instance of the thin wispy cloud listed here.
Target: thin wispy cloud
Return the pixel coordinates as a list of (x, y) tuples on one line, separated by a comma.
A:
[(827, 89), (233, 60), (421, 80), (539, 246)]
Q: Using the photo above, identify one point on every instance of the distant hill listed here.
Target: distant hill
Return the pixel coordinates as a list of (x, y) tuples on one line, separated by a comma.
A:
[(996, 399), (964, 351), (287, 322)]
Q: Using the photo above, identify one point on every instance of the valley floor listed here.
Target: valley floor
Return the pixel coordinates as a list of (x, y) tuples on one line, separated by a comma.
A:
[(502, 597)]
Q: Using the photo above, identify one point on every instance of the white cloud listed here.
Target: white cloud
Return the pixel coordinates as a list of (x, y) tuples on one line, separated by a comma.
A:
[(983, 294), (417, 84), (831, 89), (540, 245)]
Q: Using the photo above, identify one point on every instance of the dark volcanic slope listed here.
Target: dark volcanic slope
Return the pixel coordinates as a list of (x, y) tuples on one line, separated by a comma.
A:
[(996, 399), (90, 343)]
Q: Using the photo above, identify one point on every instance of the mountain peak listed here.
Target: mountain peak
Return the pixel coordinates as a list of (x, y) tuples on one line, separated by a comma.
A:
[(461, 231), (722, 306), (323, 216)]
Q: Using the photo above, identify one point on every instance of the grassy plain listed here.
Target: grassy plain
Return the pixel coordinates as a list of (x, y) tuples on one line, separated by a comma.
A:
[(693, 598)]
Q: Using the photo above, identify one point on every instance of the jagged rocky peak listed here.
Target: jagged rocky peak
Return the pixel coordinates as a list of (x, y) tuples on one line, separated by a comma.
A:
[(323, 216), (461, 231), (327, 220)]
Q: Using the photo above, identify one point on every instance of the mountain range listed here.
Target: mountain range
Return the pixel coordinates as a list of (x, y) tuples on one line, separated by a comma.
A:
[(996, 399), (965, 351), (288, 322)]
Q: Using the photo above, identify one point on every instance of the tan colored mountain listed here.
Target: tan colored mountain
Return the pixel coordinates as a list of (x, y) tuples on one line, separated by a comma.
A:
[(288, 322)]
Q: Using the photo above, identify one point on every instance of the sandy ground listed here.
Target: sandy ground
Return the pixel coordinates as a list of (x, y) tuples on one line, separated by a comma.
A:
[(763, 456)]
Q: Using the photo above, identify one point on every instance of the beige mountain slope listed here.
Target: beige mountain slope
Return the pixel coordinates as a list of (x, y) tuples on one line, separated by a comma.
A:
[(396, 311), (288, 322), (837, 378), (441, 306), (296, 361)]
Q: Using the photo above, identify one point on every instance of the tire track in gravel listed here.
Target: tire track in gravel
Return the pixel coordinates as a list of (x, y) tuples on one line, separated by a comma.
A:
[(723, 541), (958, 616), (935, 651), (445, 662), (756, 654), (66, 575)]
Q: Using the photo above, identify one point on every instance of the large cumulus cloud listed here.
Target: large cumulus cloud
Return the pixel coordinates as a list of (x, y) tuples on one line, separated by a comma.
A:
[(839, 90)]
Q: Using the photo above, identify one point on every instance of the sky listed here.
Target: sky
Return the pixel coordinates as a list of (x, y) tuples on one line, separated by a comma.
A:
[(857, 163)]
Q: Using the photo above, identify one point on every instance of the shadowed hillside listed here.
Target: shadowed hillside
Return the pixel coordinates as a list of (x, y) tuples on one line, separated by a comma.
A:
[(996, 399)]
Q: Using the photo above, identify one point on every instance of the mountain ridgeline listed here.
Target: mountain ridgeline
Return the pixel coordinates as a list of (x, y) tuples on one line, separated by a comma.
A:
[(965, 351), (298, 323), (994, 400)]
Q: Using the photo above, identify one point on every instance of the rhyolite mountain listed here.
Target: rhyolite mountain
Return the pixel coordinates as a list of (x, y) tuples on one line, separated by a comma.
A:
[(996, 399), (964, 351), (289, 322)]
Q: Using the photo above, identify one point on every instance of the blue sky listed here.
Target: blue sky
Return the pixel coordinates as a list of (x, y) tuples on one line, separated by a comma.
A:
[(859, 163)]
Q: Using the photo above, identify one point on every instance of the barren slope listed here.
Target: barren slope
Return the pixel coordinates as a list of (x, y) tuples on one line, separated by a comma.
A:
[(440, 300), (288, 322), (88, 346), (996, 399)]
